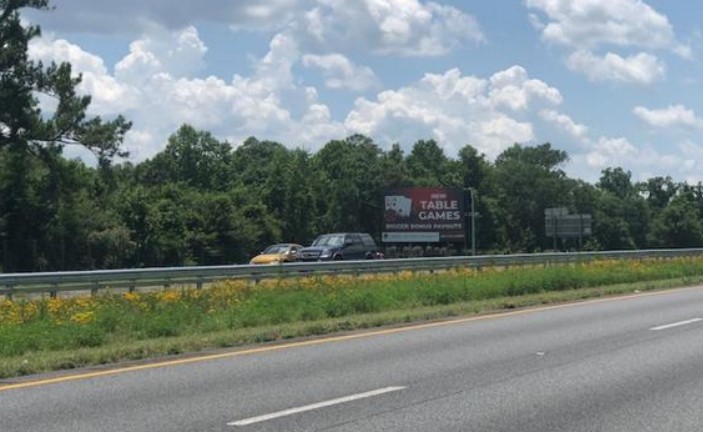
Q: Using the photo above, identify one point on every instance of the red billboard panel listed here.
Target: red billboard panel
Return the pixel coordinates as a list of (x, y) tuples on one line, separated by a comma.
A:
[(423, 214)]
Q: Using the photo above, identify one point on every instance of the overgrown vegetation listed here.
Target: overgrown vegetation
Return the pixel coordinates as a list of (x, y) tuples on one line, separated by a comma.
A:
[(236, 312)]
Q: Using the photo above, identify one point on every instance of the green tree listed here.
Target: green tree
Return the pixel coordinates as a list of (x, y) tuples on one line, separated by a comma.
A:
[(300, 212), (622, 216), (25, 128), (617, 182), (474, 168), (678, 225), (26, 132), (528, 180), (659, 191), (349, 186), (252, 160), (429, 165), (394, 168), (193, 157)]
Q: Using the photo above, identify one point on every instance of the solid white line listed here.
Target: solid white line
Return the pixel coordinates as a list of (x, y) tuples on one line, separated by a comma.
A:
[(314, 406), (676, 324)]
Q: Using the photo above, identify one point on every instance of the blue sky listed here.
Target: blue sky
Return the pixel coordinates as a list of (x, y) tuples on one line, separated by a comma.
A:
[(613, 82)]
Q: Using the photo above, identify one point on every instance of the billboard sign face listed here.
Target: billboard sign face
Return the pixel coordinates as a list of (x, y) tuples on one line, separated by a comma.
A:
[(423, 215), (566, 226)]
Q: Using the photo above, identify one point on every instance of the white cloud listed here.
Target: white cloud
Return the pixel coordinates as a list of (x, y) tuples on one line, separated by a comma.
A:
[(315, 25), (644, 160), (642, 68), (589, 27), (536, 22), (692, 155), (565, 123), (341, 73), (316, 126), (135, 17), (49, 50), (587, 24), (456, 110), (607, 152), (513, 89), (152, 88), (401, 27), (109, 95), (178, 53), (691, 150), (674, 115), (275, 69)]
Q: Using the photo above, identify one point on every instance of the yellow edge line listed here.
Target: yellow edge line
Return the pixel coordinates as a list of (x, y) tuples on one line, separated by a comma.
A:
[(321, 341)]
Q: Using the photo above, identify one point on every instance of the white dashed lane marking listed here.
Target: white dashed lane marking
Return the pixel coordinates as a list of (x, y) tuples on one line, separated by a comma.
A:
[(314, 406), (676, 324)]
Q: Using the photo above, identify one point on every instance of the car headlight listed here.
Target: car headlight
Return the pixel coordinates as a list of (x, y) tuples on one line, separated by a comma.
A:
[(326, 254)]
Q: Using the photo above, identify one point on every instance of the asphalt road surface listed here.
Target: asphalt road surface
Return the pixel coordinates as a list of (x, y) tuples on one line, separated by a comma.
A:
[(632, 364)]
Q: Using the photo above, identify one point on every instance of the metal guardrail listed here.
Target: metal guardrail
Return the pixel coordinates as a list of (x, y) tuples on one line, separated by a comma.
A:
[(131, 279)]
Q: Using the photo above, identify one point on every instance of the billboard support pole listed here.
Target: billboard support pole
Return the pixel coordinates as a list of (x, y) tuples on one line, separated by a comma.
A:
[(472, 191), (555, 234)]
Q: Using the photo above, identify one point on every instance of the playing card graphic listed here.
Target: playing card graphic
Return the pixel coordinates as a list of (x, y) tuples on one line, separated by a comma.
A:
[(397, 207)]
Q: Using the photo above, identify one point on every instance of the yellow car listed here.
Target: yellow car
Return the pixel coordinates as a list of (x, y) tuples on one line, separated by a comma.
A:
[(278, 254)]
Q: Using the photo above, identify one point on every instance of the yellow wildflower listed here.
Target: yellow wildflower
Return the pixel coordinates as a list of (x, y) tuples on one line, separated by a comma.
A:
[(132, 296), (171, 296), (83, 317)]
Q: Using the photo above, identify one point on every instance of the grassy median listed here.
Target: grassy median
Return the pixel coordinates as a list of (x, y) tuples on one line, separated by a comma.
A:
[(53, 334)]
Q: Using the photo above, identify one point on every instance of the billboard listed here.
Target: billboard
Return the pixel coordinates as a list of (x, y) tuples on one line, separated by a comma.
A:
[(568, 226), (423, 215)]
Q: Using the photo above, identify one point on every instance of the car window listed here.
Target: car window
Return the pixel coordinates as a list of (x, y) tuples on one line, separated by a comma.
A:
[(329, 240), (275, 249), (369, 243)]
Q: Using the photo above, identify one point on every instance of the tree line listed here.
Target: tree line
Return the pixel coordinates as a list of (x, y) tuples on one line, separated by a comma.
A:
[(202, 201)]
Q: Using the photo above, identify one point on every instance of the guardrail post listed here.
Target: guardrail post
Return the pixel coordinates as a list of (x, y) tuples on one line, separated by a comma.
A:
[(8, 294), (199, 283), (132, 286), (53, 293), (94, 289)]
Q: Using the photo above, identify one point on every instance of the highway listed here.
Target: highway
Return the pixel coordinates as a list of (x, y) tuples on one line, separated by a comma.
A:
[(626, 364)]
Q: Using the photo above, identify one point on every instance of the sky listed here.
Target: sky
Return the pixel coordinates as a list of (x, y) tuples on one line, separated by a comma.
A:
[(612, 82)]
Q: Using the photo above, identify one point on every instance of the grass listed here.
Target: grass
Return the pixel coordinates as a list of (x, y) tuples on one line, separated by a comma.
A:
[(55, 334)]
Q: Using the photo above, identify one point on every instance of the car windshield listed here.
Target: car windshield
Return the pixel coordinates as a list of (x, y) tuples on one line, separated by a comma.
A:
[(276, 249), (329, 240)]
